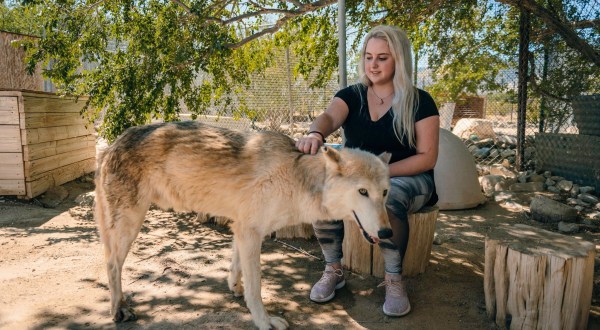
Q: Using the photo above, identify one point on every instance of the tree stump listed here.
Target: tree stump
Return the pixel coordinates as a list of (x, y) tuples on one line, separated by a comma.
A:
[(537, 279), (364, 258)]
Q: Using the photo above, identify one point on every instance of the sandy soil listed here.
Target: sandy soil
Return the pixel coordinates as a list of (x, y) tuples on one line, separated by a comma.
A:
[(52, 275)]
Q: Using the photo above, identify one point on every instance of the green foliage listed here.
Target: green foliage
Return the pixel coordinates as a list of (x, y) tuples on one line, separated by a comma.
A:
[(152, 59)]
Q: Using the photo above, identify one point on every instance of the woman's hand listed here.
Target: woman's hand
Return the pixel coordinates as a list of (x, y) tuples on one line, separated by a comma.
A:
[(309, 144)]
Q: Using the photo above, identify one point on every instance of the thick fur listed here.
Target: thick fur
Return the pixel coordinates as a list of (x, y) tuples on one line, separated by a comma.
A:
[(259, 180)]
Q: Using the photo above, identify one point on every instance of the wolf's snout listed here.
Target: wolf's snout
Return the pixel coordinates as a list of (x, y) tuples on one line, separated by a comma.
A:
[(385, 233)]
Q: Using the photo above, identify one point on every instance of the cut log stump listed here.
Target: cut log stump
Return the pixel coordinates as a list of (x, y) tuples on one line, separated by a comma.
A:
[(364, 258), (537, 279)]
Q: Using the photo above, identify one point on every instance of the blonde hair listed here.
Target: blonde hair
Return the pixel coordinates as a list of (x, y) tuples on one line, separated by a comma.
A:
[(406, 97)]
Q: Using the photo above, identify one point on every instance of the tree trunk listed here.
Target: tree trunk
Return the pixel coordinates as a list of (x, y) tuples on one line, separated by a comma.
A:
[(536, 279), (364, 258)]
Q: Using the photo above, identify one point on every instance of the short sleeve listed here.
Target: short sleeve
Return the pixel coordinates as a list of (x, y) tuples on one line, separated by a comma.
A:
[(427, 107), (350, 95)]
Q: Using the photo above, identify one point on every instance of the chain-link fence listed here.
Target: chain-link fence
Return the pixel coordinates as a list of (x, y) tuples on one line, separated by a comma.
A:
[(486, 121)]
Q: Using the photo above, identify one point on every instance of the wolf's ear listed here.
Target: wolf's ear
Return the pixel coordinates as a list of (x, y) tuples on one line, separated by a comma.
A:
[(332, 158), (385, 157)]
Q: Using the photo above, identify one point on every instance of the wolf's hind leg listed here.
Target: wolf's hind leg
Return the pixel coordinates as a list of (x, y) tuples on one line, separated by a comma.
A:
[(117, 242), (235, 272), (248, 244)]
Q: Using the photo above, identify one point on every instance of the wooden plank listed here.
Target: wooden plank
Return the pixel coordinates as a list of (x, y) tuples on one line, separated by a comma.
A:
[(9, 110), (11, 166), (48, 103), (10, 138), (51, 148), (39, 166), (58, 176), (39, 135), (12, 187), (42, 119)]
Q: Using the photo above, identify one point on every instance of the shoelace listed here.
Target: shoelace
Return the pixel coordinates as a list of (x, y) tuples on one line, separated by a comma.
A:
[(395, 288), (328, 275)]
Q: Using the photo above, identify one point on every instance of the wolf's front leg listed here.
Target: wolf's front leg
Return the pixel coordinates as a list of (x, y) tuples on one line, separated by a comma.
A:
[(235, 273), (248, 243)]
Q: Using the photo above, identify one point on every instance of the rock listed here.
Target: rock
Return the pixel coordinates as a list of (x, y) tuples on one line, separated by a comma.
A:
[(588, 198), (437, 239), (598, 206), (537, 178), (575, 190), (485, 143), (568, 228), (564, 185), (544, 209), (547, 174), (502, 171), (571, 201), (550, 182), (527, 187), (579, 208), (53, 196), (488, 183), (553, 189), (557, 178), (507, 153), (86, 199), (503, 196), (506, 163), (481, 152), (482, 128), (586, 189)]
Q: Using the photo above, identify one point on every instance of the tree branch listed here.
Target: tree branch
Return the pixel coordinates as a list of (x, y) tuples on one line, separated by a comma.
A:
[(536, 87), (565, 31), (541, 34)]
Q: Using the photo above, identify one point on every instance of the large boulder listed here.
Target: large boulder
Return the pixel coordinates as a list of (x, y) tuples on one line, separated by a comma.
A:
[(456, 177), (481, 128)]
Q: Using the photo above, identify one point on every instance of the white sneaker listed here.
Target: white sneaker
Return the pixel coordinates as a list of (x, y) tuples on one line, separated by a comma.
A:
[(324, 289)]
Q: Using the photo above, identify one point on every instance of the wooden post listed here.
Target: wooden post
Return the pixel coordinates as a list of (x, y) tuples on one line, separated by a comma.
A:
[(364, 258), (537, 279)]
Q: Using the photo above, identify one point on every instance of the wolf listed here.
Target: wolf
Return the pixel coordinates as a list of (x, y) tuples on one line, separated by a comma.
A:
[(257, 179)]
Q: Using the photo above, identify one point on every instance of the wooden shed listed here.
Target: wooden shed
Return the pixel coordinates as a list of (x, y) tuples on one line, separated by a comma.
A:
[(44, 142)]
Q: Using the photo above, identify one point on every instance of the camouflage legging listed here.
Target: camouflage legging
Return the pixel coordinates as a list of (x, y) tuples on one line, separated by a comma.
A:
[(408, 194)]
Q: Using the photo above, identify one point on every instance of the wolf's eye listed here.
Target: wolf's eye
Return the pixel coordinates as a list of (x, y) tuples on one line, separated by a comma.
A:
[(385, 193), (363, 192)]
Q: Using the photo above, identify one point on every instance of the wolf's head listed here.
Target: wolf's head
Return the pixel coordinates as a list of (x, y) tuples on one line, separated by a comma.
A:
[(356, 188)]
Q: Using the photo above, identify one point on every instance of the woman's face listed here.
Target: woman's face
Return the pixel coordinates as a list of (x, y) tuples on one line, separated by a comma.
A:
[(379, 64)]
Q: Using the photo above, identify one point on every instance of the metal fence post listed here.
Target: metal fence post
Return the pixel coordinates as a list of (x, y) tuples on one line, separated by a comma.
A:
[(524, 27)]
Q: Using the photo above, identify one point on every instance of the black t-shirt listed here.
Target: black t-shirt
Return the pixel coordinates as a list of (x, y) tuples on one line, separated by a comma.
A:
[(378, 136)]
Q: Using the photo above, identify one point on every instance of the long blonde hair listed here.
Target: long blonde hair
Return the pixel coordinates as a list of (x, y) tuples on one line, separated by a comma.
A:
[(406, 97)]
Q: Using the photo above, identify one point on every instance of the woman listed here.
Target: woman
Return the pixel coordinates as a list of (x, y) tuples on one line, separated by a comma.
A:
[(384, 112)]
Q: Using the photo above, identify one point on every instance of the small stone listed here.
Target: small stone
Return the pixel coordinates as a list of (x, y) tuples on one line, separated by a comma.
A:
[(588, 198), (537, 178), (503, 196), (568, 228), (571, 201), (564, 185), (527, 187), (550, 182), (575, 190), (547, 174), (586, 189), (437, 239), (506, 163), (557, 178), (553, 189), (579, 208)]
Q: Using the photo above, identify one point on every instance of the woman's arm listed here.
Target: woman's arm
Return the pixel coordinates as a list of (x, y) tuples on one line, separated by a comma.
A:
[(427, 136), (326, 123)]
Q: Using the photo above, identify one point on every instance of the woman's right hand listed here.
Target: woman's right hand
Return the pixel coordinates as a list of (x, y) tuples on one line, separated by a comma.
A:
[(310, 143)]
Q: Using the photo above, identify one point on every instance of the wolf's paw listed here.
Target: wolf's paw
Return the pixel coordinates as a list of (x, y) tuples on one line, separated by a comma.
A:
[(237, 288), (124, 314), (274, 323), (278, 323)]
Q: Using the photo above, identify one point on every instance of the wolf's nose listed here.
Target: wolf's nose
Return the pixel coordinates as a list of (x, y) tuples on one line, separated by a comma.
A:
[(384, 233)]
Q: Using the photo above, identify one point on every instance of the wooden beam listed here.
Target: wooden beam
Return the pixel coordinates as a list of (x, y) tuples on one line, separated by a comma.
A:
[(10, 138), (11, 166), (41, 119), (52, 148), (36, 167), (12, 187), (45, 134), (9, 110)]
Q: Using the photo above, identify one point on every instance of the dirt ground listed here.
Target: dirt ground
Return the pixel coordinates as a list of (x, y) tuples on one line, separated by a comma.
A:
[(52, 274)]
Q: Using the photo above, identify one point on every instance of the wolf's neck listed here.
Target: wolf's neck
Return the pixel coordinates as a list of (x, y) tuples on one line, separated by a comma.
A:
[(310, 175)]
